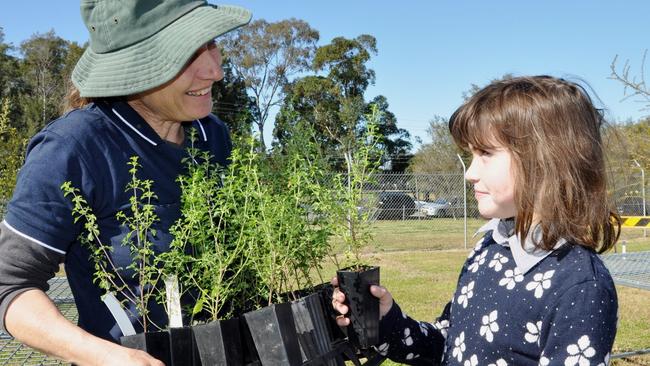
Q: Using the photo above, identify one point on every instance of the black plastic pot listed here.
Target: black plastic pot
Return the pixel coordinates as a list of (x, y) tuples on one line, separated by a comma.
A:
[(182, 347), (219, 343), (363, 331), (337, 333), (154, 343), (250, 353), (273, 331), (312, 328)]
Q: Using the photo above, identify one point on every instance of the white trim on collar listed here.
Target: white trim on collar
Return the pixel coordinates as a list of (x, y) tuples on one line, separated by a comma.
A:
[(133, 128), (525, 257), (205, 137)]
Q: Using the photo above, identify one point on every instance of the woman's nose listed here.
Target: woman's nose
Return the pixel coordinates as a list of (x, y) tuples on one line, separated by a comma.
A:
[(209, 65)]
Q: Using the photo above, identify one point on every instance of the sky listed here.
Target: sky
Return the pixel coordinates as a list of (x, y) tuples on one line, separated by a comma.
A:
[(430, 52)]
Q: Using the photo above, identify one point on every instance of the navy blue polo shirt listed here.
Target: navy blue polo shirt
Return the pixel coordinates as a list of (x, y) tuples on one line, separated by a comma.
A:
[(91, 148)]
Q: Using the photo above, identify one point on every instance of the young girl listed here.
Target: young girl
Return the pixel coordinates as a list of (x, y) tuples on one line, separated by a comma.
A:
[(533, 291)]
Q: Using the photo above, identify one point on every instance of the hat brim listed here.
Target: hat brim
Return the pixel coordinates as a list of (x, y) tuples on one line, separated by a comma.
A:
[(157, 59)]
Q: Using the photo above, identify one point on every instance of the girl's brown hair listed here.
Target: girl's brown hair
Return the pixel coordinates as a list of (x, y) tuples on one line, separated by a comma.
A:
[(552, 129)]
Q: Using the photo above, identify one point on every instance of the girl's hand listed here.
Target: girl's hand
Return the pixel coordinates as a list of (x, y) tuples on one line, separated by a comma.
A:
[(338, 299)]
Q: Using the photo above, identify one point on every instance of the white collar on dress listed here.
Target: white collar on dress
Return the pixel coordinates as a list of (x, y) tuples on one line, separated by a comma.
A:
[(525, 257)]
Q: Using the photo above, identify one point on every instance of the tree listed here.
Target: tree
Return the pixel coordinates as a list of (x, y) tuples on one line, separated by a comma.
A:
[(334, 103), (265, 55), (42, 71), (232, 104), (8, 68), (394, 141), (12, 147), (633, 86), (439, 155)]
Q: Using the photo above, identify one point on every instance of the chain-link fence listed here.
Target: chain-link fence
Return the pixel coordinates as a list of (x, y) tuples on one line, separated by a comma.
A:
[(629, 195), (431, 210), (421, 211)]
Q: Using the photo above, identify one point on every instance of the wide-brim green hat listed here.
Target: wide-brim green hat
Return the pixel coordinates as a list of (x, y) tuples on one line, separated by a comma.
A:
[(135, 50)]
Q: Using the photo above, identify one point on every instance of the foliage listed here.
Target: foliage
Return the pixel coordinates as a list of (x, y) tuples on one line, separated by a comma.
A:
[(139, 221), (8, 69), (233, 105), (11, 154), (439, 155), (362, 161), (334, 103), (633, 86), (298, 217), (42, 68), (265, 55), (210, 250)]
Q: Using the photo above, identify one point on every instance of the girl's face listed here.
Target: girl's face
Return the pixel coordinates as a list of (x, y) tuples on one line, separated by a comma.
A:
[(493, 179)]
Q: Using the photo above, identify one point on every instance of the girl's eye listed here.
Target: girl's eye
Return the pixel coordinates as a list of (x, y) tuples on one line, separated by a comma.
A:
[(481, 152)]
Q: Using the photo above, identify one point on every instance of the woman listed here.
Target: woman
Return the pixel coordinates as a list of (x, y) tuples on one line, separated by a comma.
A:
[(146, 79)]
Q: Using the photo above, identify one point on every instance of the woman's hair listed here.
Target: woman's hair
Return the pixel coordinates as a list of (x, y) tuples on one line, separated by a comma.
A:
[(74, 100), (552, 129)]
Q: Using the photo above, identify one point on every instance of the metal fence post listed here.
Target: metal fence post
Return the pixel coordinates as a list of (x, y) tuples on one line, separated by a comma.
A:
[(645, 232), (464, 199)]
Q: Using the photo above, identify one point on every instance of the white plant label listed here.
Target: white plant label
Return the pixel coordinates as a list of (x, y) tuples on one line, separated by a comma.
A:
[(173, 302)]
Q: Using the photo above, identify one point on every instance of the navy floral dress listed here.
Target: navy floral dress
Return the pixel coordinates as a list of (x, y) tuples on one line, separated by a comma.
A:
[(514, 306)]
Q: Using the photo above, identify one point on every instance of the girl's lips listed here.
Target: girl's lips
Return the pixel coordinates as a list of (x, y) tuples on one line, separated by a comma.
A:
[(479, 194)]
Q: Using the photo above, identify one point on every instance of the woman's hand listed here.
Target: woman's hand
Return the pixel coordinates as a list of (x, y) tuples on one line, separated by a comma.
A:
[(121, 356), (338, 299)]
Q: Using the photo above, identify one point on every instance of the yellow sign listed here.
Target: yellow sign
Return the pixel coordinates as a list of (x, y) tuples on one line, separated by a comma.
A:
[(635, 221)]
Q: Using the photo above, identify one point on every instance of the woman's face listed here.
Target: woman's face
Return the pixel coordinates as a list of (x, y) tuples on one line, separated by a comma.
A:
[(492, 176), (189, 95)]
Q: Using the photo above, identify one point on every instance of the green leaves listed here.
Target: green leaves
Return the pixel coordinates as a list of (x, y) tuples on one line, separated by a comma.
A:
[(139, 221)]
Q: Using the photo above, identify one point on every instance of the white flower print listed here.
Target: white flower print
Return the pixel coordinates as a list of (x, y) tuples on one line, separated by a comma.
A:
[(533, 331), (423, 328), (543, 361), (500, 362), (383, 349), (489, 326), (497, 262), (411, 356), (442, 326), (540, 283), (407, 340), (466, 293), (459, 347), (512, 277), (580, 353), (476, 248), (478, 260), (606, 362), (473, 361)]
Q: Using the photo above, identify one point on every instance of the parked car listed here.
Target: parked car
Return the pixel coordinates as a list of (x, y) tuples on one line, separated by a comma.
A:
[(631, 206), (442, 207), (394, 206), (437, 208)]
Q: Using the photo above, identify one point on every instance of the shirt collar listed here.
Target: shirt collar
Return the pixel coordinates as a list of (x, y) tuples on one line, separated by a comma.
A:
[(124, 113), (526, 256)]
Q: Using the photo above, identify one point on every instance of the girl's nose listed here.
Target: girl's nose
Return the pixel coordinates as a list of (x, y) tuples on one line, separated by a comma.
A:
[(471, 173)]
